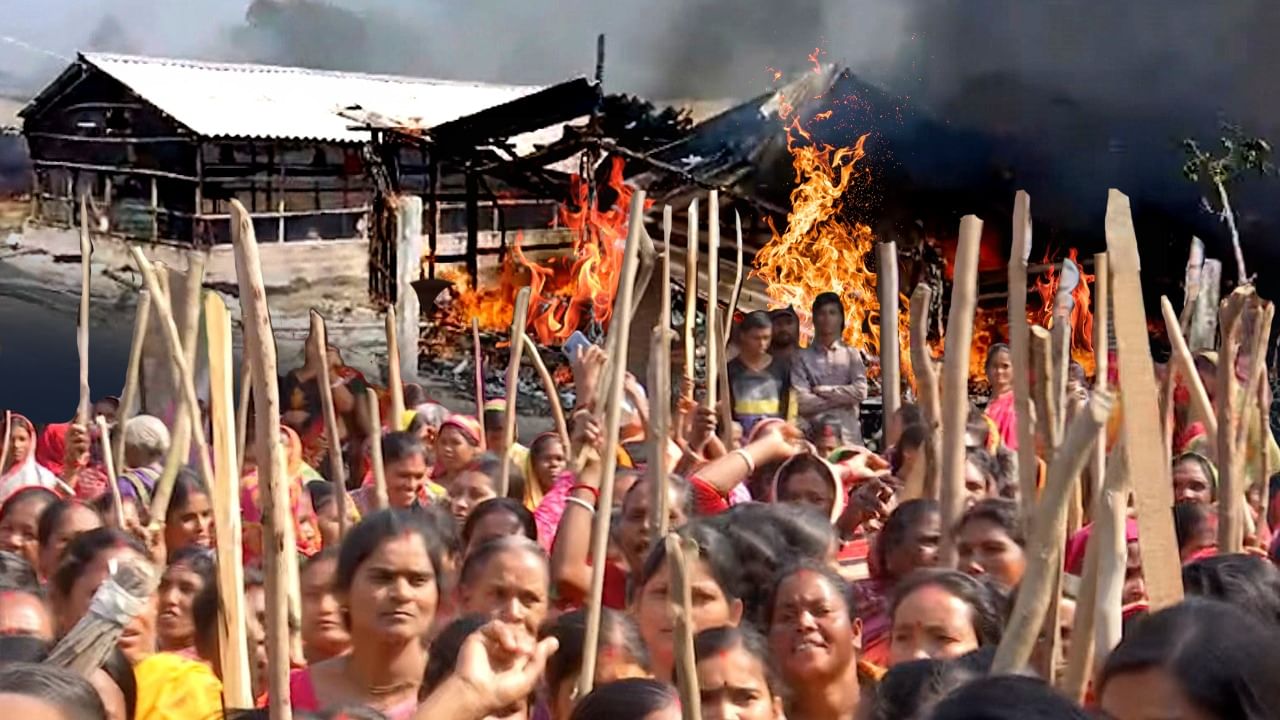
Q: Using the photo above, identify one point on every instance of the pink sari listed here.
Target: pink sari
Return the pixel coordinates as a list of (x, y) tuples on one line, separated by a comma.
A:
[(1002, 413)]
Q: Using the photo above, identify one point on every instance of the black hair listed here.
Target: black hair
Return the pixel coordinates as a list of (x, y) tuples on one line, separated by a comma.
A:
[(1247, 582), (490, 465), (71, 694), (1218, 654), (375, 530), (898, 525), (992, 351), (913, 436), (630, 699), (843, 589), (105, 505), (1001, 512), (713, 549), (798, 464), (53, 516), (445, 525), (821, 424), (910, 414), (1206, 468), (479, 558), (321, 492), (617, 630), (397, 446), (445, 649), (910, 689), (985, 464), (120, 670), (987, 605), (494, 506), (541, 442), (828, 298), (186, 485), (84, 549), (1007, 697), (22, 648), (33, 493), (17, 574), (200, 560), (1189, 521), (204, 607), (415, 395), (674, 482), (329, 553), (757, 320), (710, 643), (419, 421)]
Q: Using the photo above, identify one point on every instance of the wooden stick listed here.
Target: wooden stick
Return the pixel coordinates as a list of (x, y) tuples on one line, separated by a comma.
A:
[(1264, 313), (395, 386), (380, 499), (260, 352), (1230, 494), (681, 599), (1144, 448), (233, 645), (1186, 368), (659, 381), (690, 309), (621, 327), (714, 348), (1020, 357), (130, 394), (955, 374), (478, 363), (8, 438), (117, 502), (1191, 284), (1044, 549), (518, 320), (890, 366), (1101, 366), (1264, 469), (725, 408), (1204, 323), (926, 390), (337, 473), (737, 280), (242, 413), (82, 325), (646, 260), (548, 386), (1046, 400)]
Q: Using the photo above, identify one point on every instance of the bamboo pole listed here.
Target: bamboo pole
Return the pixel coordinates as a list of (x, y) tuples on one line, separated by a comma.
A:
[(1044, 549), (1230, 494), (380, 498), (260, 352), (714, 348), (337, 473), (518, 320), (1264, 313), (659, 381), (681, 600), (955, 374), (926, 390), (890, 366), (478, 363), (724, 408), (395, 386), (621, 327), (548, 386), (233, 645), (690, 310), (1101, 366), (130, 394), (1144, 448), (117, 502), (1185, 366), (1046, 402), (82, 324), (1109, 533), (187, 417), (1264, 469), (1019, 355), (737, 279)]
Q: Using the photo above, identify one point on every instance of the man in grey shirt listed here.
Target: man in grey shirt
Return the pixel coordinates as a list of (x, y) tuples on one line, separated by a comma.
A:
[(829, 377)]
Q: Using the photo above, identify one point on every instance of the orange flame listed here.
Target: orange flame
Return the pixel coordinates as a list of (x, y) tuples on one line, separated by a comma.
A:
[(569, 291), (1081, 317)]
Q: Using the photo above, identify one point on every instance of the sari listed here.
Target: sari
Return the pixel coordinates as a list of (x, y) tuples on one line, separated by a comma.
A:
[(88, 481), (306, 527), (25, 472), (1001, 412), (304, 396), (173, 687)]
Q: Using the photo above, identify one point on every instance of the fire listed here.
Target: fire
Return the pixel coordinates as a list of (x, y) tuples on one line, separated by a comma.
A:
[(1081, 312), (569, 292)]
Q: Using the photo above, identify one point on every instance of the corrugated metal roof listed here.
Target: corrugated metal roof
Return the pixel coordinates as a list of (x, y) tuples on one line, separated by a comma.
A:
[(268, 101)]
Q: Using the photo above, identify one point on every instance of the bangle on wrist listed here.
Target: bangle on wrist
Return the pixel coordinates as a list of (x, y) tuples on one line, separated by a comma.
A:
[(595, 492), (746, 457), (582, 504)]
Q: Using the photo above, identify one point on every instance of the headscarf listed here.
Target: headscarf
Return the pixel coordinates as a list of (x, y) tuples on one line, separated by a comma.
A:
[(533, 491), (828, 473), (1203, 461), (470, 428), (51, 449), (25, 472)]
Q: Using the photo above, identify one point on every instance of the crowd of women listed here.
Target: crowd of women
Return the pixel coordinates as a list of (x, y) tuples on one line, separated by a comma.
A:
[(817, 588)]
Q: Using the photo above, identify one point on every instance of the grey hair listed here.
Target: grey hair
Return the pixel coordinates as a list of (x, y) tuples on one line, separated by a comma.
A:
[(434, 414), (148, 435)]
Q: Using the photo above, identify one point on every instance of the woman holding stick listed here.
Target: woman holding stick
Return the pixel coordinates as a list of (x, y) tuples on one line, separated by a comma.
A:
[(190, 570), (908, 542)]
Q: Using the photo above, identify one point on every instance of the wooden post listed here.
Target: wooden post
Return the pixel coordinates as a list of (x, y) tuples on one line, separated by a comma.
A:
[(518, 321), (242, 412), (1046, 401), (1203, 334), (1230, 494), (395, 387), (659, 382), (737, 280), (1143, 446), (260, 352), (681, 598), (955, 372), (714, 349), (130, 394), (548, 386), (1020, 357), (1101, 366), (82, 326), (407, 310), (109, 464), (380, 498), (1185, 366), (1191, 284), (478, 362), (690, 308), (926, 390), (233, 646), (890, 372), (621, 328), (1044, 549), (337, 472), (155, 211)]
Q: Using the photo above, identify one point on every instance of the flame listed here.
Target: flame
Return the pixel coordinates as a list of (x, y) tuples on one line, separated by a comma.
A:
[(1081, 317), (813, 58), (568, 292)]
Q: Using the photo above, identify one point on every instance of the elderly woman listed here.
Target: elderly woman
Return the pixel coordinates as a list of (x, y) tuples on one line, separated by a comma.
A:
[(146, 441)]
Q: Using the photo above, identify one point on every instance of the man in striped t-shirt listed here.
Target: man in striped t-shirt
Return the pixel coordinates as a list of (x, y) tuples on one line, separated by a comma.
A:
[(759, 385)]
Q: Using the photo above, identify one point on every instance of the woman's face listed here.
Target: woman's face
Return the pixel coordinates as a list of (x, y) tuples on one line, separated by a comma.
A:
[(469, 489), (453, 451), (808, 487), (175, 623), (138, 640), (512, 586), (549, 463), (986, 549), (733, 686), (976, 485), (394, 593), (919, 549), (1190, 484), (811, 633), (1135, 587), (492, 526), (189, 525), (19, 445), (18, 528), (1147, 695), (323, 633), (931, 623), (652, 610), (76, 520), (1000, 372), (327, 522), (635, 531)]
